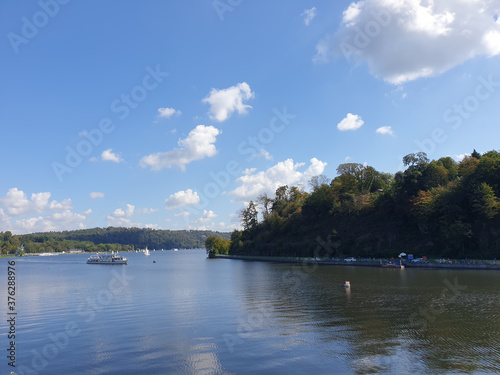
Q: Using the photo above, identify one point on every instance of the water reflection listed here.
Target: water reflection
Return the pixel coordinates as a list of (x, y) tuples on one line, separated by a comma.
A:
[(388, 320), (189, 315)]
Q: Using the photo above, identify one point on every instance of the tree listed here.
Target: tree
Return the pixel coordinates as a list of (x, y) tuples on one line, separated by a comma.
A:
[(266, 204), (317, 181), (249, 216), (485, 203), (281, 193), (217, 245), (415, 160), (475, 154), (411, 181)]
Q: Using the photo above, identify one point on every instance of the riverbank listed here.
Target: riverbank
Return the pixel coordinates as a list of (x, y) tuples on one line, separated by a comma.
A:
[(433, 264)]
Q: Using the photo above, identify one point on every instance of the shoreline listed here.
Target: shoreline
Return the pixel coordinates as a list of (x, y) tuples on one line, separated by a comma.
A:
[(375, 264)]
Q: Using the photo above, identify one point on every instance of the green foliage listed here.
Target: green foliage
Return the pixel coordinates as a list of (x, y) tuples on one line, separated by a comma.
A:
[(435, 208), (249, 216), (105, 240), (217, 245)]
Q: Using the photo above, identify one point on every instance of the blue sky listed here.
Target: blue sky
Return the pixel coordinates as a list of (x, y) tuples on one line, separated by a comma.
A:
[(174, 114)]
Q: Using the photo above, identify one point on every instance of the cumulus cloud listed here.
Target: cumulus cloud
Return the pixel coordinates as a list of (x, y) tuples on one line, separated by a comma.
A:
[(4, 219), (460, 157), (350, 122), (122, 218), (253, 183), (182, 198), (147, 211), (168, 112), (223, 103), (96, 194), (308, 15), (58, 221), (16, 203), (199, 144), (265, 154), (109, 155), (403, 40), (38, 214), (385, 130), (205, 219)]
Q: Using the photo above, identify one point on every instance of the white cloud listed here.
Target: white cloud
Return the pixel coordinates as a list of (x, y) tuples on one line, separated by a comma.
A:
[(205, 219), (16, 203), (309, 14), (96, 194), (109, 155), (121, 218), (199, 144), (350, 122), (146, 211), (351, 13), (461, 156), (226, 101), (129, 211), (403, 40), (4, 219), (385, 130), (58, 221), (182, 214), (168, 112), (182, 198), (50, 215), (265, 154), (253, 183)]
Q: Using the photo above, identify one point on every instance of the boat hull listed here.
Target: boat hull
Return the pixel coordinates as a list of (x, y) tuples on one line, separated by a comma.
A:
[(112, 259)]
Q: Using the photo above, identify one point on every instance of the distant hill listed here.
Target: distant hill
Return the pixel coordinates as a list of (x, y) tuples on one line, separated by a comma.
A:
[(106, 239)]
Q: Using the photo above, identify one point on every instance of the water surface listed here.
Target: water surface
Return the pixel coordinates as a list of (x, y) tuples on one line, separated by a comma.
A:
[(186, 314)]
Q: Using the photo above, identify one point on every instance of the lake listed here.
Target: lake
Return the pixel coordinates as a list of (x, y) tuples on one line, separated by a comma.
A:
[(186, 314)]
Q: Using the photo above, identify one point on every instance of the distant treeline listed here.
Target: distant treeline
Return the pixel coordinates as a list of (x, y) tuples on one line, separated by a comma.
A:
[(437, 208), (105, 239)]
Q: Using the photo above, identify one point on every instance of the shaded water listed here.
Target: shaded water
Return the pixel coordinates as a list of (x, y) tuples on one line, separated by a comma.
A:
[(187, 314)]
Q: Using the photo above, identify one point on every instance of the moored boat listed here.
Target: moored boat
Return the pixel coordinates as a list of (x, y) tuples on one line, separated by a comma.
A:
[(112, 258)]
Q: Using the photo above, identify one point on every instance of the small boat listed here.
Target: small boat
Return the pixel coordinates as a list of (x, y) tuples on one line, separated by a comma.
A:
[(175, 249), (347, 284), (112, 258), (146, 252)]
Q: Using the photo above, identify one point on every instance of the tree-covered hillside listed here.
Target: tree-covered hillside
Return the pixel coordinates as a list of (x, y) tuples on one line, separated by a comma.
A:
[(434, 208), (105, 239)]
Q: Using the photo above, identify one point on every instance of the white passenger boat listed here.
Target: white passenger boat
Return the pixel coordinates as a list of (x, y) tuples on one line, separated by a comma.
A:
[(112, 258)]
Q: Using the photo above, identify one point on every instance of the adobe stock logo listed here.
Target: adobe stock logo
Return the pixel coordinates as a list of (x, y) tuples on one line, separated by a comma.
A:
[(460, 112), (30, 27), (121, 106), (223, 6), (366, 34)]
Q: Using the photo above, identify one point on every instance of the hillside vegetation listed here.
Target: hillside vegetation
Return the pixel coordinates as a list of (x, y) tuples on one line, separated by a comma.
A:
[(105, 239), (437, 208)]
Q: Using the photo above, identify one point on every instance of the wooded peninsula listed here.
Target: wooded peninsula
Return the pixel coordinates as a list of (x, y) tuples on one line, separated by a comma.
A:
[(437, 208)]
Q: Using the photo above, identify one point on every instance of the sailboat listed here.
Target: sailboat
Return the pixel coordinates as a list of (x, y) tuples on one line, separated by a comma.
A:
[(146, 251)]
